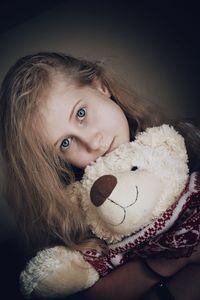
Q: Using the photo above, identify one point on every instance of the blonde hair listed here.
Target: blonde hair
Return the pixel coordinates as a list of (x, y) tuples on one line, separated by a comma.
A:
[(33, 170)]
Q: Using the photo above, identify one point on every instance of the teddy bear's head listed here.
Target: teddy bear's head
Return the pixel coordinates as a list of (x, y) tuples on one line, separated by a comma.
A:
[(130, 187)]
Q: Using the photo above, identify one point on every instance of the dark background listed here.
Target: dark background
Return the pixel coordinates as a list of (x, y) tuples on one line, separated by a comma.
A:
[(13, 13), (172, 26)]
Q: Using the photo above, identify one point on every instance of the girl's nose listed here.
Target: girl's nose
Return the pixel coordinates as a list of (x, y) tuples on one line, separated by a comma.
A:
[(93, 142)]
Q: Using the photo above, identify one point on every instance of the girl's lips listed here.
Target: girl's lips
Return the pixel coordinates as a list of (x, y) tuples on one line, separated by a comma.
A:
[(110, 148)]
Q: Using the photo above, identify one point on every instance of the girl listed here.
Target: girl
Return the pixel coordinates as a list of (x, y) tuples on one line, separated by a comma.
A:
[(58, 114)]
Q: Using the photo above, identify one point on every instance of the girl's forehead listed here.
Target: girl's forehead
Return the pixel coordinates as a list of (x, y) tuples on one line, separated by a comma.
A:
[(56, 87), (58, 101)]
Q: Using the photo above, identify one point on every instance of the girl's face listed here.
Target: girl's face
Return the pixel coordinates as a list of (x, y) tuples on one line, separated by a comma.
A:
[(83, 123)]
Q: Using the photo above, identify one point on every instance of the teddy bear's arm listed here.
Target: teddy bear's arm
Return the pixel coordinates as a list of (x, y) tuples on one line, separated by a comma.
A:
[(57, 272)]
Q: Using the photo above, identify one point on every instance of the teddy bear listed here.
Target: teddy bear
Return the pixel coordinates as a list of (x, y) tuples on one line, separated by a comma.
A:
[(140, 199)]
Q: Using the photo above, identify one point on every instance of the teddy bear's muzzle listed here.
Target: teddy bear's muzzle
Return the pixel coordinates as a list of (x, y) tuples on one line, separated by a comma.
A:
[(102, 188)]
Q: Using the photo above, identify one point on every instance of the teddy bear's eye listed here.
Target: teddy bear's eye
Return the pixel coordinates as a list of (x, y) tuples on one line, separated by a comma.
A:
[(134, 168)]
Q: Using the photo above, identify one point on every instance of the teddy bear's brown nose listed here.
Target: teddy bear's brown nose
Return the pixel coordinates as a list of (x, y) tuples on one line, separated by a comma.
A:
[(102, 188)]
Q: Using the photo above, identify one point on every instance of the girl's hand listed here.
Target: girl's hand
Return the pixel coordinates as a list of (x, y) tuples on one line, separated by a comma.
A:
[(195, 257), (168, 267)]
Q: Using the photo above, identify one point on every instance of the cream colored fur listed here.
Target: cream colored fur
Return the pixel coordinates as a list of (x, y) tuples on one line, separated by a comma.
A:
[(55, 272), (159, 152)]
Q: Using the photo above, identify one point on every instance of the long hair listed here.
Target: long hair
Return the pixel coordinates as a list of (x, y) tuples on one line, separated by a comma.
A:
[(33, 171)]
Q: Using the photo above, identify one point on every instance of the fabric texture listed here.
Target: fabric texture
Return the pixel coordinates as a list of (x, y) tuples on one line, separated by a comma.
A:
[(174, 234)]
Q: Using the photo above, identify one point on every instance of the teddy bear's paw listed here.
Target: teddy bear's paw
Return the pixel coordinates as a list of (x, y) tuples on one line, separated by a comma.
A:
[(56, 272)]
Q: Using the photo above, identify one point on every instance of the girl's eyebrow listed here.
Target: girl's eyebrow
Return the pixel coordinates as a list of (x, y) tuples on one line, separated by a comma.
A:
[(70, 116)]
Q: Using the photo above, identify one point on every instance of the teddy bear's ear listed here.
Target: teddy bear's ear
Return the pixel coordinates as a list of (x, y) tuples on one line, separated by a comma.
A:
[(164, 137)]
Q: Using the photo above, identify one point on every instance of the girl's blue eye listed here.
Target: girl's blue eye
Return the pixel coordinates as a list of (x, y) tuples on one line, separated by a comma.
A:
[(66, 143), (81, 113)]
